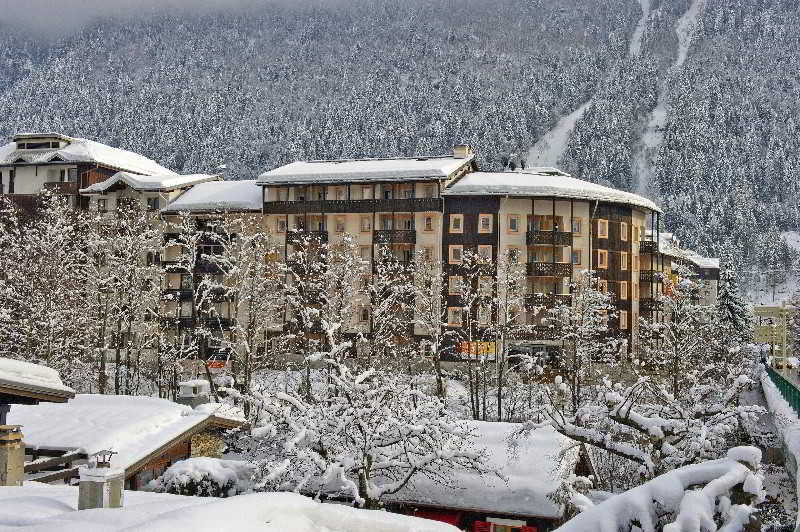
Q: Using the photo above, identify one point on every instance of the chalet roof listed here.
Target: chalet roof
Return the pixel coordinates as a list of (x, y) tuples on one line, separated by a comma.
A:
[(135, 427), (364, 170), (149, 183), (24, 382), (541, 461), (216, 196), (544, 182), (80, 150)]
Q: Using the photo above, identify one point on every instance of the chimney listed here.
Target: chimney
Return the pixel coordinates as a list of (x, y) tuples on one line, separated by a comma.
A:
[(462, 151), (12, 455), (100, 484)]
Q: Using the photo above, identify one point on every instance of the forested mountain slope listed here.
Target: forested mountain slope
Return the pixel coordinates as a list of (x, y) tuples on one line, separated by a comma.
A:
[(256, 87)]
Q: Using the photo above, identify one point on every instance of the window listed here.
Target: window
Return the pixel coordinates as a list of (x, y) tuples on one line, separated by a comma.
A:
[(454, 316), (576, 225), (513, 223), (623, 260), (602, 258), (408, 192), (407, 224), (153, 204), (513, 255), (485, 223), (62, 174), (299, 223), (485, 286), (364, 253), (281, 225), (366, 192), (455, 253), (428, 225), (11, 176), (485, 253), (636, 259), (454, 285), (576, 257), (602, 228), (366, 224), (102, 205), (339, 224), (623, 289), (72, 175), (387, 192), (456, 223), (635, 233), (427, 253), (623, 319), (623, 231), (602, 285), (429, 191), (363, 315), (484, 313), (635, 290), (340, 193)]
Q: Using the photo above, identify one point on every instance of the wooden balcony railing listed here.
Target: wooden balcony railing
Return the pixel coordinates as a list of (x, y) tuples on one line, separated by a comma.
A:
[(395, 236), (648, 246), (550, 269), (177, 294), (345, 206), (546, 300), (552, 238), (649, 304)]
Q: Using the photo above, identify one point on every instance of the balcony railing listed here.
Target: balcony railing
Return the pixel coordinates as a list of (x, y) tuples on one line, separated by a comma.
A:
[(648, 246), (541, 332), (217, 322), (174, 266), (395, 236), (294, 238), (177, 294), (552, 238), (178, 322), (59, 187), (648, 304), (650, 276), (546, 300), (550, 269), (363, 205)]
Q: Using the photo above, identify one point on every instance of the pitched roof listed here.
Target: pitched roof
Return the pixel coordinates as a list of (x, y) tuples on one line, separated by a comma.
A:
[(544, 182), (231, 196), (32, 382), (81, 150), (151, 183), (364, 170)]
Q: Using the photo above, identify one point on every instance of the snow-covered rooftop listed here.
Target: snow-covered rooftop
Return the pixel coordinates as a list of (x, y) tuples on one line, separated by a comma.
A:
[(149, 183), (360, 170), (234, 196), (81, 150), (545, 182), (36, 507), (133, 426), (535, 472), (669, 245), (32, 380)]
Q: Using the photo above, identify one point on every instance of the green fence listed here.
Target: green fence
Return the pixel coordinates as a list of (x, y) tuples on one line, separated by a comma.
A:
[(787, 389)]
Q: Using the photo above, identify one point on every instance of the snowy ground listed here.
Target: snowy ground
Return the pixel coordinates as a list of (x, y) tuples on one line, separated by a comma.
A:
[(44, 508)]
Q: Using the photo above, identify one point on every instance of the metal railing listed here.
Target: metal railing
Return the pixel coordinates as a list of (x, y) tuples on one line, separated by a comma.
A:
[(788, 390), (395, 236), (555, 238)]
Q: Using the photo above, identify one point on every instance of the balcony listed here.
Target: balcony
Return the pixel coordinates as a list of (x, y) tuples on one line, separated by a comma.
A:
[(395, 236), (650, 276), (297, 238), (550, 269), (546, 300), (58, 187), (550, 238), (177, 294), (648, 246), (346, 206), (648, 304), (174, 266)]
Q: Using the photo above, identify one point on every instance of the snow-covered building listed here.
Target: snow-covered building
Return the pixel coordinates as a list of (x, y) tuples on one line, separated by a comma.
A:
[(39, 161), (518, 498), (148, 434)]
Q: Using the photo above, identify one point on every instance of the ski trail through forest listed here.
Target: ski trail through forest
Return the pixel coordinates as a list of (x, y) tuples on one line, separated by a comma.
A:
[(549, 149), (653, 134)]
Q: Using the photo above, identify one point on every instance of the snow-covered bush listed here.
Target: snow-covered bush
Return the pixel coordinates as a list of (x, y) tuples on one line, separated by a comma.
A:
[(205, 477)]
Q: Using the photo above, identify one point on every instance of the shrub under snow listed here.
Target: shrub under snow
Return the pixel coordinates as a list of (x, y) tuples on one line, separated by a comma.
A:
[(205, 477)]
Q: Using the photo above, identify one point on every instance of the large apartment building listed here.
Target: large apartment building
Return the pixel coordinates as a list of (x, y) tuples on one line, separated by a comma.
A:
[(442, 207)]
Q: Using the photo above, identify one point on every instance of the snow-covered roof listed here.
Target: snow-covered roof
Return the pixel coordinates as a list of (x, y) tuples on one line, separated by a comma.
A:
[(361, 170), (35, 507), (535, 472), (133, 426), (545, 182), (669, 245), (81, 150), (34, 381), (149, 183), (234, 196)]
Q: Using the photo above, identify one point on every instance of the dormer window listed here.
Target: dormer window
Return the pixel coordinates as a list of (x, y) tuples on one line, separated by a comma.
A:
[(39, 145)]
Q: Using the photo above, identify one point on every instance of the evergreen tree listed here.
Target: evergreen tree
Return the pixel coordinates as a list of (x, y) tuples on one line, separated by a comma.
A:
[(732, 310)]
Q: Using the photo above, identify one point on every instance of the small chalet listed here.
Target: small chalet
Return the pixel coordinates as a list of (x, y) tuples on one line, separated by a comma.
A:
[(146, 433), (517, 502)]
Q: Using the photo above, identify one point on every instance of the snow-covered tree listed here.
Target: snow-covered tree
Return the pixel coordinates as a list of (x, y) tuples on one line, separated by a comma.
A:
[(733, 312), (360, 435)]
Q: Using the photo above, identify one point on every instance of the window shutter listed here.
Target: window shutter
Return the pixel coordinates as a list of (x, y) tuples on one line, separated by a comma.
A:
[(481, 526)]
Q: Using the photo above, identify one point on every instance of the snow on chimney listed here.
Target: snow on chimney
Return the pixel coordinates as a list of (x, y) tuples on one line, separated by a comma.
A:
[(100, 484)]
